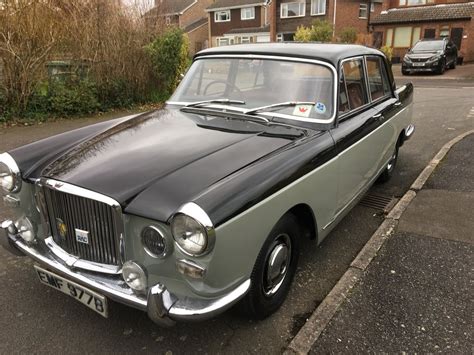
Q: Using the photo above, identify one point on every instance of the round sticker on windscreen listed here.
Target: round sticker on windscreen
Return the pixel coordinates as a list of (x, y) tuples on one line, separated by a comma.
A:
[(320, 107)]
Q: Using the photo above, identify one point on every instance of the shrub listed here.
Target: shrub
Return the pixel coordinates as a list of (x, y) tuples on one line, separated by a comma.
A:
[(67, 99), (169, 56), (303, 34), (348, 35), (388, 51), (321, 31)]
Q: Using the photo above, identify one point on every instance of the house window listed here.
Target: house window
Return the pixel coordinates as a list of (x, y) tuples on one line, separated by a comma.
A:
[(222, 16), (389, 37), (415, 2), (247, 13), (402, 37), (245, 40), (168, 20), (293, 9), (318, 7), (444, 31), (372, 7), (362, 10), (280, 37), (223, 41), (416, 35)]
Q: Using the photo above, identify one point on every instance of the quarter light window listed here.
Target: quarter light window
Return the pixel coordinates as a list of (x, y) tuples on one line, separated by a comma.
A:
[(222, 16), (247, 13), (318, 7), (355, 83), (293, 9), (378, 82)]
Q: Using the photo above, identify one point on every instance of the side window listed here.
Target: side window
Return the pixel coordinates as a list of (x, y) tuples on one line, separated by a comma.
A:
[(355, 83), (378, 82), (343, 99)]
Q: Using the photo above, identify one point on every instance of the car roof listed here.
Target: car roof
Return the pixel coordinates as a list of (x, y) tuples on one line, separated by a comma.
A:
[(332, 53)]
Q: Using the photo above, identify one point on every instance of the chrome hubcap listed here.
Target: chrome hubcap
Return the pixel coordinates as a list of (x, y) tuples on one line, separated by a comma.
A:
[(276, 265)]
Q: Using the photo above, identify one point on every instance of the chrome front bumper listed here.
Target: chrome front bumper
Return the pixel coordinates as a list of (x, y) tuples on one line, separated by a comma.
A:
[(163, 307)]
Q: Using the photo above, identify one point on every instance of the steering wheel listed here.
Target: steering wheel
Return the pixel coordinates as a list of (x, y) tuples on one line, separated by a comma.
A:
[(226, 83)]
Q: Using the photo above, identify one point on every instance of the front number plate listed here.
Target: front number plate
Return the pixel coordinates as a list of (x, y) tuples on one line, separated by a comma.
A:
[(419, 64), (90, 298)]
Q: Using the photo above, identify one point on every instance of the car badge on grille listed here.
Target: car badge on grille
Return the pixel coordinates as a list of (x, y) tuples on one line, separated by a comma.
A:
[(82, 236), (62, 228)]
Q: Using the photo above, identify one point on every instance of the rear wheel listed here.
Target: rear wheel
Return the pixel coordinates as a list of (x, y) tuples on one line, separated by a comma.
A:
[(274, 269), (453, 64), (390, 168)]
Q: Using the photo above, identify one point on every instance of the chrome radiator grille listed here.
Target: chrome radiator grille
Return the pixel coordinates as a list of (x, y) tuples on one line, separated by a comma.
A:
[(68, 213)]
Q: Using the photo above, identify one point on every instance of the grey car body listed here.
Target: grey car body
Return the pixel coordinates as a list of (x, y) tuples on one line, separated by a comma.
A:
[(185, 211)]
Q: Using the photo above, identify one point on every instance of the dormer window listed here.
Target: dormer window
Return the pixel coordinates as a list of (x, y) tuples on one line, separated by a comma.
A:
[(222, 16)]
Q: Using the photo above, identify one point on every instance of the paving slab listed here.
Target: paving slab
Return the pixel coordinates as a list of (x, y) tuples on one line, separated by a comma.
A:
[(437, 213), (415, 297)]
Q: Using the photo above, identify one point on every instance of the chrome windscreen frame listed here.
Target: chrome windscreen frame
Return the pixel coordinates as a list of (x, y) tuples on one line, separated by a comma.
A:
[(280, 58), (74, 261)]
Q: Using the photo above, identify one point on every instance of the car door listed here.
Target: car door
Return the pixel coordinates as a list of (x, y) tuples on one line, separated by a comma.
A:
[(357, 146), (385, 104)]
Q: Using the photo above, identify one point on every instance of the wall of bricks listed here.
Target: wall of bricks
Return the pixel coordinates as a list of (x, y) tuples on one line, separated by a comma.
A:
[(219, 28), (467, 43), (198, 39)]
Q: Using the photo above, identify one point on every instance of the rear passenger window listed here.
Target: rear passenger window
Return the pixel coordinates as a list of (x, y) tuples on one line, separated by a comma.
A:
[(378, 82), (355, 83)]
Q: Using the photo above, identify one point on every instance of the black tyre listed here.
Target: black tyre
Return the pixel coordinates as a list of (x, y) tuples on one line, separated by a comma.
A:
[(442, 68), (274, 269), (453, 64), (390, 168), (405, 72)]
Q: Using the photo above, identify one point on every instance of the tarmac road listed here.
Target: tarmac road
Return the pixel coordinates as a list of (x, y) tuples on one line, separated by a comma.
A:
[(37, 319)]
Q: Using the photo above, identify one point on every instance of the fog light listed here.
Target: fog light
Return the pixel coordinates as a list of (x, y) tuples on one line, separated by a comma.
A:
[(154, 242), (26, 229), (134, 275), (191, 269)]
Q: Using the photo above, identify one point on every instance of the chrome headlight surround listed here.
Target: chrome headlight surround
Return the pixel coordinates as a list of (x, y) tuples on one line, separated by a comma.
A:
[(196, 216), (9, 170), (407, 59)]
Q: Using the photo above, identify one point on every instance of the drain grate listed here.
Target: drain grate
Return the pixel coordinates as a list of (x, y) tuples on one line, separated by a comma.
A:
[(378, 202)]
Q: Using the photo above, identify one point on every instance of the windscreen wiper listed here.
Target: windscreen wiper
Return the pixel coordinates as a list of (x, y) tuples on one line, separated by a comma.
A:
[(216, 101), (278, 105)]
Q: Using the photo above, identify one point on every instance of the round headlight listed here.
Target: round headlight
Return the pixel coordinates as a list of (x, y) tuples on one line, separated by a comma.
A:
[(10, 180), (134, 276), (154, 242), (189, 234)]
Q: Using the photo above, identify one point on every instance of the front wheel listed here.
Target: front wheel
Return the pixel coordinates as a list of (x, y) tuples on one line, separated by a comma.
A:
[(274, 269), (442, 68)]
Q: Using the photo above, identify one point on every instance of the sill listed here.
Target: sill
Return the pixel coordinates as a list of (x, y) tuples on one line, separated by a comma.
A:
[(322, 14), (247, 19), (289, 17), (363, 18), (221, 21)]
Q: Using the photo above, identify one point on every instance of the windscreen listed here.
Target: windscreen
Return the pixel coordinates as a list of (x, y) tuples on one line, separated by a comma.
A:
[(428, 46), (261, 82)]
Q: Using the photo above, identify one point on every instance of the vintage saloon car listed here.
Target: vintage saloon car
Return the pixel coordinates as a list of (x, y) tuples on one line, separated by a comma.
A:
[(185, 211)]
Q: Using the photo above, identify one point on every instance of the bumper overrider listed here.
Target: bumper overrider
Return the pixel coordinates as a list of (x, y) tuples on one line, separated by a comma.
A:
[(162, 306)]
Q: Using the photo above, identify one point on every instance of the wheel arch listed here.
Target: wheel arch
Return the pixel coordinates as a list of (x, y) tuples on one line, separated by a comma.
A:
[(306, 219)]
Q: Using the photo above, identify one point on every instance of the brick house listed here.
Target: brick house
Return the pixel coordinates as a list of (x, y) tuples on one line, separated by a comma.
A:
[(189, 15), (403, 22), (287, 15), (238, 21)]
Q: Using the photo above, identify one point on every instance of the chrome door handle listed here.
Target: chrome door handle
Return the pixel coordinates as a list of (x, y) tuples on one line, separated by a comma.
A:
[(378, 116), (398, 103)]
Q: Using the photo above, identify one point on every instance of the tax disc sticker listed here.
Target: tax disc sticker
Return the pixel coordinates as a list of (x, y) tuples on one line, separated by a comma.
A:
[(302, 110), (320, 107)]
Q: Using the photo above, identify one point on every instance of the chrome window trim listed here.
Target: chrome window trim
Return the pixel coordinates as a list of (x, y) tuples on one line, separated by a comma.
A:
[(385, 96), (280, 58), (118, 221)]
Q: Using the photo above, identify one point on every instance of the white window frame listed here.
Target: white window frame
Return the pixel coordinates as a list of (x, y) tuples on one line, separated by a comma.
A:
[(320, 3), (279, 37), (168, 20), (244, 13), (217, 13), (284, 8), (221, 39), (372, 7), (247, 40), (363, 7)]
